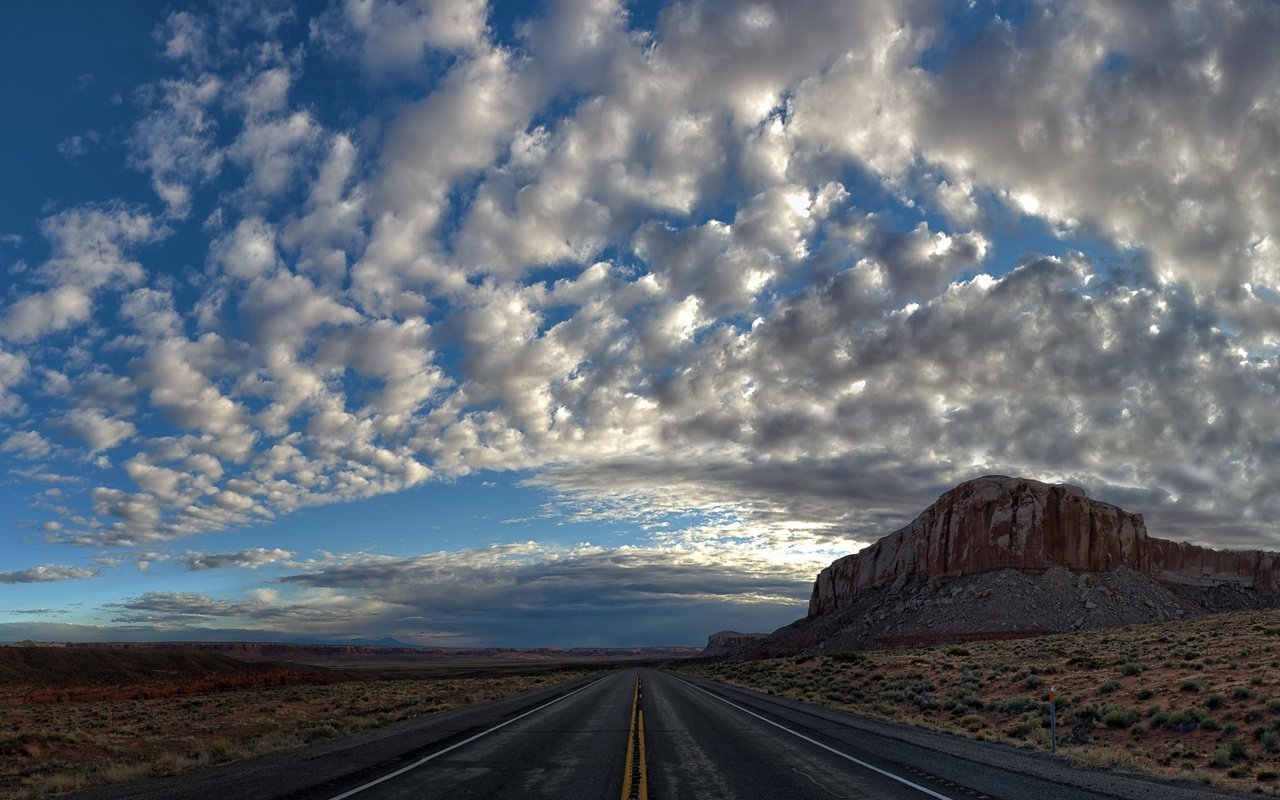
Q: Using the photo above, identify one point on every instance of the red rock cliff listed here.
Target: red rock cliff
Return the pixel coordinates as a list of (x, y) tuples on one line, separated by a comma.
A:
[(998, 522)]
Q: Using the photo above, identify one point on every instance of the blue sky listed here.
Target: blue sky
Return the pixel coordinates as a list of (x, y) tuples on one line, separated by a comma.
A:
[(588, 322)]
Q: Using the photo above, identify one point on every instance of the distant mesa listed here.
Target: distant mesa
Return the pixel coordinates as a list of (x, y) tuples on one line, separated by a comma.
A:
[(999, 557), (726, 641)]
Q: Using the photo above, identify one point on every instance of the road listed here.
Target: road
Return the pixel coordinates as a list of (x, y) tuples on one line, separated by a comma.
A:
[(653, 734)]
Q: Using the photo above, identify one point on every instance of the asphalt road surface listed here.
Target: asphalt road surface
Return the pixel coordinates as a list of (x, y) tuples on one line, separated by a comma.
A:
[(653, 734)]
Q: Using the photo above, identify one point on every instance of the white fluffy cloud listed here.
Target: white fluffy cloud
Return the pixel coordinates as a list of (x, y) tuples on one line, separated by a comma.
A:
[(762, 262)]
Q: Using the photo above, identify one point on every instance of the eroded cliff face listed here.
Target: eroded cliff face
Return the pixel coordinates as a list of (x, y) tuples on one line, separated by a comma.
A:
[(997, 522)]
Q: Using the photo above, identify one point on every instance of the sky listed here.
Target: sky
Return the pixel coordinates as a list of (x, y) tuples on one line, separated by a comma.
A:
[(601, 323)]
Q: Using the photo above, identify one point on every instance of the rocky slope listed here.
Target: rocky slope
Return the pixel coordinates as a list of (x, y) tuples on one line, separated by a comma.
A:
[(1000, 557)]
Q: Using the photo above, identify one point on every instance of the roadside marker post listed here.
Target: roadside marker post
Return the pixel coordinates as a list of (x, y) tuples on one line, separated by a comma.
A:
[(1053, 720)]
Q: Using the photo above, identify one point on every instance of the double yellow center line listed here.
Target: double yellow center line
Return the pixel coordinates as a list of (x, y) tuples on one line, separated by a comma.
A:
[(635, 782)]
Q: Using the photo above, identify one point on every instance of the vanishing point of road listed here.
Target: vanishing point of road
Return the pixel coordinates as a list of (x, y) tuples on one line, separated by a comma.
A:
[(647, 733)]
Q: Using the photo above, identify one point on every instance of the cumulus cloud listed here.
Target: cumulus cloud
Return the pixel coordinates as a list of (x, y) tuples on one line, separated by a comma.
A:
[(96, 429), (29, 444), (761, 264), (386, 36), (175, 143), (47, 573), (252, 558), (170, 610)]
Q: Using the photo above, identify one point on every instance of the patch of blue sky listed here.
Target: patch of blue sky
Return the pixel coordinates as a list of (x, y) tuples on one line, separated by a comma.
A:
[(57, 98), (1117, 65), (967, 22), (70, 602)]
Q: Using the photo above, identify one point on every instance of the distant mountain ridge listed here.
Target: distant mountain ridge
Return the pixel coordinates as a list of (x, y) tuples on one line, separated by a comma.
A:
[(58, 674), (300, 651)]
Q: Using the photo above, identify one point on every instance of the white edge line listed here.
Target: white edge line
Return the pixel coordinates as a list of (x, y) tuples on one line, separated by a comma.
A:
[(857, 761), (439, 753)]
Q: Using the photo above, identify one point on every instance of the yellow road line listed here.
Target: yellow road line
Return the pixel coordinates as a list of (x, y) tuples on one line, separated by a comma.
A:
[(635, 781), (644, 773)]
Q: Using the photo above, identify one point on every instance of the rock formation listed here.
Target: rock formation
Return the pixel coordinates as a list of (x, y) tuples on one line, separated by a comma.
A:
[(995, 523), (726, 641), (999, 557)]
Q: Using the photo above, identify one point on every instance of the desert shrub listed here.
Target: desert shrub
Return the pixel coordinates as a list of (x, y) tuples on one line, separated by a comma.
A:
[(958, 652), (225, 749), (1183, 720), (973, 722), (1116, 717), (1034, 682), (1213, 702), (1018, 705), (1210, 724), (1192, 685), (848, 658), (1267, 775), (1145, 694), (1084, 714), (1130, 668), (961, 700), (1241, 693), (1020, 729), (1107, 687)]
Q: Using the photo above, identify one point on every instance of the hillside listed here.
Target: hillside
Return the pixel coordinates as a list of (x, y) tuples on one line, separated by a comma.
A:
[(1193, 699)]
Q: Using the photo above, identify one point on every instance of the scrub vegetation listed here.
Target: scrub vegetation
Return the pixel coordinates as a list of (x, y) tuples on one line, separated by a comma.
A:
[(47, 748), (1194, 699)]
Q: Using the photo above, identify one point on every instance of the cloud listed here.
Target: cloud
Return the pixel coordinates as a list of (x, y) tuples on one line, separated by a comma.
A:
[(252, 558), (88, 253), (319, 610), (523, 592), (175, 142), (388, 36), (47, 573), (97, 430), (29, 444), (74, 148), (755, 274)]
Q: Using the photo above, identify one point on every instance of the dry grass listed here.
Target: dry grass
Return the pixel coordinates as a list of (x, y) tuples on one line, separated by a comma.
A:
[(1195, 699), (47, 749)]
